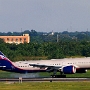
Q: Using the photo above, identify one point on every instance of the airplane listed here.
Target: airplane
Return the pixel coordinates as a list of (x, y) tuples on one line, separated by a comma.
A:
[(64, 66)]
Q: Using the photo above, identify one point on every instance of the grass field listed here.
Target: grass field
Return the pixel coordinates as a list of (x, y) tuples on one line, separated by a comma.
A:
[(46, 86)]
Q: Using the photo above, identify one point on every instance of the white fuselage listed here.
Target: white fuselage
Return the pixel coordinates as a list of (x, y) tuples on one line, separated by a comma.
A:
[(77, 62)]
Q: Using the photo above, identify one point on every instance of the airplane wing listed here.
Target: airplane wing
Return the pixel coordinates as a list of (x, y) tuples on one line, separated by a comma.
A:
[(48, 67), (42, 66)]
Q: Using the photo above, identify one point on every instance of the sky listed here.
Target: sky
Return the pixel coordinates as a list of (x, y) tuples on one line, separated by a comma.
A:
[(44, 15)]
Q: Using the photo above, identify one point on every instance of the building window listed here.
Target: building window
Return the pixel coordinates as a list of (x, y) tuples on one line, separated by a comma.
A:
[(12, 39), (16, 40), (7, 39), (24, 39), (20, 39)]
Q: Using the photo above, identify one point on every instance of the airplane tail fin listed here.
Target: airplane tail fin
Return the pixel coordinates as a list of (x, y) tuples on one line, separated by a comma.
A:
[(4, 62), (2, 54)]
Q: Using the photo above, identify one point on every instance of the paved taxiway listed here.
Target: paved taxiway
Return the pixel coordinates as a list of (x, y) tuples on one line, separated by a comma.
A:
[(45, 79)]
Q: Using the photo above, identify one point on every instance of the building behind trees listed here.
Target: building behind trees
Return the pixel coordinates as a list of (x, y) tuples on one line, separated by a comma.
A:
[(25, 38)]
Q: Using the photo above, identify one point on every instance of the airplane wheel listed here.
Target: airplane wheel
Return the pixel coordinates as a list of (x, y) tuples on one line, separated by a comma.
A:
[(58, 76)]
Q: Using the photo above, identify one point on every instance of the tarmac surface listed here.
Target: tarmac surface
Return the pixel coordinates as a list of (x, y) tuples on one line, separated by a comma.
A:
[(43, 79)]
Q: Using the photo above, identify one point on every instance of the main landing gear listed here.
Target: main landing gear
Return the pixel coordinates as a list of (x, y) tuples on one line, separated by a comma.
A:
[(58, 76)]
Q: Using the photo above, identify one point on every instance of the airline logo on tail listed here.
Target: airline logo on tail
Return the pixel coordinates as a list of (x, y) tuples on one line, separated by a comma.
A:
[(2, 56)]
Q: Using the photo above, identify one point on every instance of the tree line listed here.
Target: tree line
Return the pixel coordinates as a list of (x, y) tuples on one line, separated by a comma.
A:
[(45, 50), (40, 37)]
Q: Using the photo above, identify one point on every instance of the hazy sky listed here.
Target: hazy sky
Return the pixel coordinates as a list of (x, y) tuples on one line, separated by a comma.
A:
[(44, 15)]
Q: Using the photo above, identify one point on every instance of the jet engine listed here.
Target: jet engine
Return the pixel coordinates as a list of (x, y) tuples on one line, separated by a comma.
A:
[(69, 70)]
